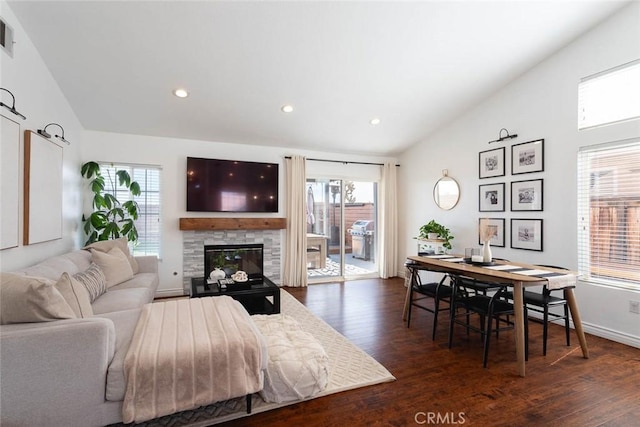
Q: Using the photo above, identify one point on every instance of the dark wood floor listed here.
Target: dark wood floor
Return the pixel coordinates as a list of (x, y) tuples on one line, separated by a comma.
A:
[(561, 389)]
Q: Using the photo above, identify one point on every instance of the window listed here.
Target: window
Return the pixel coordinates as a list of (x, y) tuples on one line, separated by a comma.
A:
[(609, 213), (610, 96), (148, 222)]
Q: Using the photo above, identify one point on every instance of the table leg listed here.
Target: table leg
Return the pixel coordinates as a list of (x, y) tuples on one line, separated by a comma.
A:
[(577, 322), (518, 306), (407, 297)]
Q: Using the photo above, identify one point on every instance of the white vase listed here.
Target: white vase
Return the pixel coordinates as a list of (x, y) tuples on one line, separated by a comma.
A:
[(486, 251), (217, 274)]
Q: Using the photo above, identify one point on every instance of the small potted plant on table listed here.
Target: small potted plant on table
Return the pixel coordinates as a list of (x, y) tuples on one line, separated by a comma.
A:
[(435, 231)]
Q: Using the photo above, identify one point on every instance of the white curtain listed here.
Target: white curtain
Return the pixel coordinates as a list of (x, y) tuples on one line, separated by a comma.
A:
[(388, 230), (295, 254)]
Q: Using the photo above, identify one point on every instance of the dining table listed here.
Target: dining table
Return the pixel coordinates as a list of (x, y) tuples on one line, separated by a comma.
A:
[(518, 275)]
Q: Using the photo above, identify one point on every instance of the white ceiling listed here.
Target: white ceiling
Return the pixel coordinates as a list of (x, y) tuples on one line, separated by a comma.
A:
[(414, 65)]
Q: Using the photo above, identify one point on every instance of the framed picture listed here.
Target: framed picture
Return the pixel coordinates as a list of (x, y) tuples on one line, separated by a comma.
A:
[(492, 197), (527, 157), (492, 163), (495, 228), (526, 234), (527, 195)]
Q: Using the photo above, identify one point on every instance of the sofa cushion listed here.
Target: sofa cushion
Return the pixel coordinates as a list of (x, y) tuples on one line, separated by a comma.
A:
[(75, 294), (122, 299), (140, 280), (121, 243), (93, 280), (114, 264), (31, 299), (125, 324)]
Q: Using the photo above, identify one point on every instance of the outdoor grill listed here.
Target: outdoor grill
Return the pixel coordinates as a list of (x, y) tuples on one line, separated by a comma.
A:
[(362, 242)]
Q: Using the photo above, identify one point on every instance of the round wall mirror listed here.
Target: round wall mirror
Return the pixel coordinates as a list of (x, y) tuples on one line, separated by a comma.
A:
[(446, 193)]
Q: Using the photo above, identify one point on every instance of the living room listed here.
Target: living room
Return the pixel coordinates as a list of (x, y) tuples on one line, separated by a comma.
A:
[(538, 103)]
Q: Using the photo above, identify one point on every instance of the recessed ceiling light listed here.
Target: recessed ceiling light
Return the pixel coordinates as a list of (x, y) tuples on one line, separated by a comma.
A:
[(375, 121), (181, 93), (287, 108)]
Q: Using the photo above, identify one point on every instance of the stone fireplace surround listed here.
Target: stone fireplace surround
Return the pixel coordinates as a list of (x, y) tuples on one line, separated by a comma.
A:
[(193, 243)]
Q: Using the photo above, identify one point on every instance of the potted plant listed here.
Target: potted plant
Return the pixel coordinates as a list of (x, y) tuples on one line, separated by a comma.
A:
[(110, 218), (434, 230)]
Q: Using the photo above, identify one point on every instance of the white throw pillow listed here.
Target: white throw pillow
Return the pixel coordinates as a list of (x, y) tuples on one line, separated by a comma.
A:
[(26, 299), (122, 243), (93, 280), (75, 294), (114, 264)]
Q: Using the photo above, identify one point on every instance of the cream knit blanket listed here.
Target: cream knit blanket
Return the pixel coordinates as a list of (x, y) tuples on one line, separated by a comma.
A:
[(190, 353)]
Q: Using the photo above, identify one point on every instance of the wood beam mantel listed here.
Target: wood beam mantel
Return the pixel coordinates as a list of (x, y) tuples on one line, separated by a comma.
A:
[(233, 223)]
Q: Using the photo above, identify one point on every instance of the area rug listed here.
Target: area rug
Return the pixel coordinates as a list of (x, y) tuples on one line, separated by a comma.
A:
[(350, 368)]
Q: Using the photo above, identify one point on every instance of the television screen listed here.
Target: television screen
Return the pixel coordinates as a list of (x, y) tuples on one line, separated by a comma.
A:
[(231, 186)]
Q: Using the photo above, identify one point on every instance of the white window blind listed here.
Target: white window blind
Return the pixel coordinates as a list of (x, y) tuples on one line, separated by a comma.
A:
[(149, 203), (609, 213), (610, 96)]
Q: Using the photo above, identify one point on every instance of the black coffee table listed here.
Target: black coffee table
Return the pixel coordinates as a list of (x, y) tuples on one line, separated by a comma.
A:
[(257, 297)]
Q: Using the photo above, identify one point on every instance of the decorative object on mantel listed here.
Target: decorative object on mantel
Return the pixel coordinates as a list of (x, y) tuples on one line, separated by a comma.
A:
[(110, 219), (487, 232), (194, 224), (43, 132), (504, 138), (433, 230), (13, 104)]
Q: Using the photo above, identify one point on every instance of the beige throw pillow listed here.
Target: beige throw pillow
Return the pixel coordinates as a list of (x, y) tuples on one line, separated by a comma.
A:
[(122, 243), (114, 264), (94, 281), (75, 294), (31, 299)]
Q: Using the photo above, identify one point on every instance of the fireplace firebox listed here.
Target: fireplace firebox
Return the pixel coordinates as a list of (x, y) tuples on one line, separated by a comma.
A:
[(232, 258)]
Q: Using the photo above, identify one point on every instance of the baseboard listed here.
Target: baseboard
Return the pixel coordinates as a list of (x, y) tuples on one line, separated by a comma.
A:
[(597, 330), (610, 334)]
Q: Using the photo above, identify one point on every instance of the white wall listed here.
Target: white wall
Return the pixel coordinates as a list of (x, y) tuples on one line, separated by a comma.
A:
[(540, 104), (172, 153), (39, 98)]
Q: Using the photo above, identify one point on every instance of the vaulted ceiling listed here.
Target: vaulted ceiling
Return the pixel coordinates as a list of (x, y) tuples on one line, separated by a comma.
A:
[(412, 65)]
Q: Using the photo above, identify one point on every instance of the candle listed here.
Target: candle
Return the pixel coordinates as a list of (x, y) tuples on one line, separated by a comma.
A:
[(476, 258)]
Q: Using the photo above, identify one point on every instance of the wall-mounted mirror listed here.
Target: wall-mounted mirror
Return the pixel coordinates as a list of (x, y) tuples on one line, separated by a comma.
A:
[(446, 192)]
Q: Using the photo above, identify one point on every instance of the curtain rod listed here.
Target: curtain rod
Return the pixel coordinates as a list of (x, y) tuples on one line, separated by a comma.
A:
[(343, 161)]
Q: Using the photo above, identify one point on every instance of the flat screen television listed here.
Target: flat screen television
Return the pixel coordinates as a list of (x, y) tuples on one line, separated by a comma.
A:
[(215, 185)]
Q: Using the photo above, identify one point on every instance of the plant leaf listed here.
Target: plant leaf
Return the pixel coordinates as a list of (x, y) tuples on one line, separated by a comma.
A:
[(132, 208), (90, 169), (124, 178), (110, 200), (98, 202), (135, 188)]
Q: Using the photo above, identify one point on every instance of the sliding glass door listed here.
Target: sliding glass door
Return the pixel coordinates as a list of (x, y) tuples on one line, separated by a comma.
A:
[(341, 229)]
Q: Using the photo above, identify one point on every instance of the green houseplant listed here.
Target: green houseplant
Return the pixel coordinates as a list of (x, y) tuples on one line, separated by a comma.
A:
[(442, 232), (110, 218)]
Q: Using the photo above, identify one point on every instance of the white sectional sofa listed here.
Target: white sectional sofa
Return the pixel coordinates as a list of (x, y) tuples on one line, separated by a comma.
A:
[(69, 372)]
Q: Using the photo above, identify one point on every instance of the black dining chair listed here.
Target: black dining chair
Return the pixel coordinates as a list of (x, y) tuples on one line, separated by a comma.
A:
[(541, 302), (484, 299), (437, 291)]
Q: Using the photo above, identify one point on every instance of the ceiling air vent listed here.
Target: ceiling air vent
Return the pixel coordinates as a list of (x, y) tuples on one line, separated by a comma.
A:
[(6, 37)]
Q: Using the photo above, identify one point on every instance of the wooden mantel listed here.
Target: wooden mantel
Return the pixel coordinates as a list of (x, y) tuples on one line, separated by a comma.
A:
[(233, 223)]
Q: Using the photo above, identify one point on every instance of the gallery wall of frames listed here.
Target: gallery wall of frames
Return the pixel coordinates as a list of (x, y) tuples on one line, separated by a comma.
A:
[(522, 195)]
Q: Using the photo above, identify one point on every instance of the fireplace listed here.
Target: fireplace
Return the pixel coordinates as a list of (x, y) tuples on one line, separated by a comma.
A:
[(194, 242), (232, 258)]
